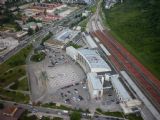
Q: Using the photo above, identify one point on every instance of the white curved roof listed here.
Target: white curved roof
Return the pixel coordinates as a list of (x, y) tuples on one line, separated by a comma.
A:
[(95, 62)]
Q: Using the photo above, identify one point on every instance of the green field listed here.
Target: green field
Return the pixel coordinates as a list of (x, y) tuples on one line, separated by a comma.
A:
[(38, 56), (12, 70), (13, 96), (120, 114), (136, 24), (20, 85)]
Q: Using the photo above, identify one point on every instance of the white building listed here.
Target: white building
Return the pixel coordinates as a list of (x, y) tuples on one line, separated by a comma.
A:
[(95, 86), (90, 61), (21, 34), (66, 35), (72, 52), (92, 64)]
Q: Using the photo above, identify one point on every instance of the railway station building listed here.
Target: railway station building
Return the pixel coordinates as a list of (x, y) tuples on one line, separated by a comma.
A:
[(94, 66)]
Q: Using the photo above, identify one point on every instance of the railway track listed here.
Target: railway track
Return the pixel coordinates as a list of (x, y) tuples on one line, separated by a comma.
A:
[(123, 60)]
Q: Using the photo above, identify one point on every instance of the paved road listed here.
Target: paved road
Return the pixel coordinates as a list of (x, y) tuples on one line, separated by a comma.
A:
[(59, 112)]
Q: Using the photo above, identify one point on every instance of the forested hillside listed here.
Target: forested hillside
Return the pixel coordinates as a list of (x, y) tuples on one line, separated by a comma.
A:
[(136, 24)]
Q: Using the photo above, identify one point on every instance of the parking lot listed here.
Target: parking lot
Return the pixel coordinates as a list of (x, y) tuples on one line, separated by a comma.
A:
[(61, 70), (66, 84), (76, 95)]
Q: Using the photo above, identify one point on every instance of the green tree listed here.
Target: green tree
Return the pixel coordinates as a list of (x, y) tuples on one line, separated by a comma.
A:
[(37, 29), (75, 116), (1, 106), (30, 31)]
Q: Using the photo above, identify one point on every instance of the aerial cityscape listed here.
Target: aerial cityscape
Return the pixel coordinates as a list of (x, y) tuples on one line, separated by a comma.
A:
[(79, 60)]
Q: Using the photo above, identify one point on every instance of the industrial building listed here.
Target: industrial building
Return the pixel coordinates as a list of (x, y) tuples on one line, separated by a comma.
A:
[(95, 68), (98, 74), (89, 60), (66, 35)]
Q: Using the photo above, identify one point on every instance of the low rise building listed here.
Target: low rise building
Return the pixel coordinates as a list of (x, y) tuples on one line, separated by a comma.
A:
[(127, 103), (21, 34), (7, 44), (31, 25), (10, 113), (66, 35), (95, 86), (53, 44)]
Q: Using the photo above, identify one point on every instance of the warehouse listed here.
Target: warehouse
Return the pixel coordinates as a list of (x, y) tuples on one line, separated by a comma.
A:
[(66, 35)]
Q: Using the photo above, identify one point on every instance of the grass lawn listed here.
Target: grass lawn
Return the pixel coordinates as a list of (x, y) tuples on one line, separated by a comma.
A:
[(53, 105), (21, 85), (120, 114), (13, 96), (14, 68), (70, 43), (9, 26), (83, 24), (25, 116), (93, 8), (129, 24), (11, 71), (37, 57)]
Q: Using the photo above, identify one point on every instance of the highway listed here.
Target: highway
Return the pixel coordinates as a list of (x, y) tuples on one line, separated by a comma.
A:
[(123, 60)]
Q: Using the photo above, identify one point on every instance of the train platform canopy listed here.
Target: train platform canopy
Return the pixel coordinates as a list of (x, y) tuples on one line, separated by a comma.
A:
[(95, 62), (89, 40), (121, 91)]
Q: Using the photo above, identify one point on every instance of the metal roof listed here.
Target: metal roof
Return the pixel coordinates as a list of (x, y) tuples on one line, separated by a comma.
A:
[(94, 60), (120, 88), (90, 41), (97, 85)]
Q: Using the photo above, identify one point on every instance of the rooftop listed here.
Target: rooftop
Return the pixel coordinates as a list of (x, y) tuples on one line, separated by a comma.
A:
[(95, 81), (90, 41), (120, 88), (66, 34), (94, 60)]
